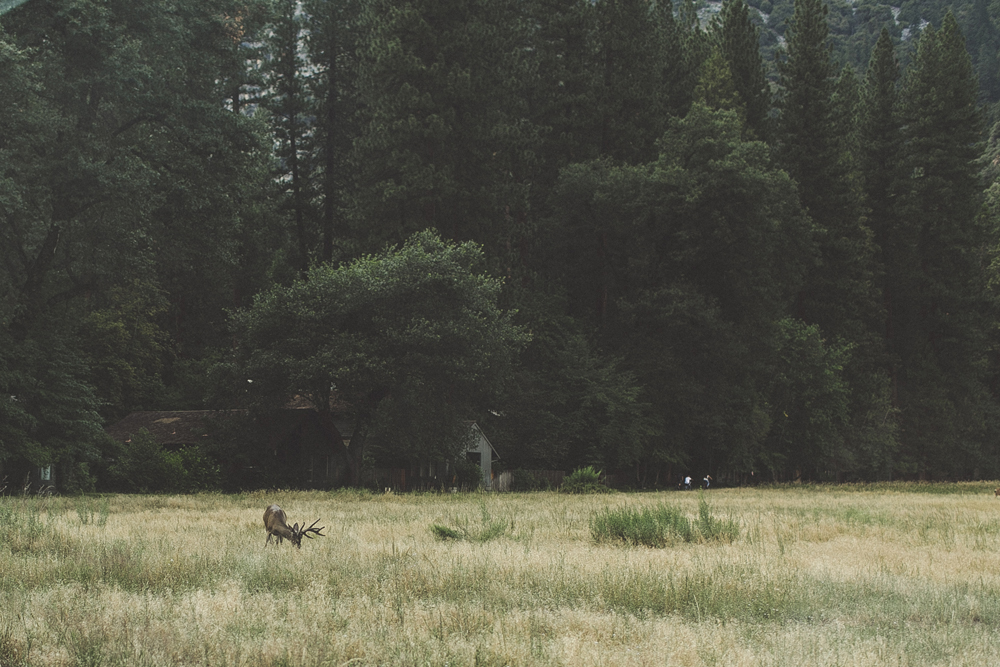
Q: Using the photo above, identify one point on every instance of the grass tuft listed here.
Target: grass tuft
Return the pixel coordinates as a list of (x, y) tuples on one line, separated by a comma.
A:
[(661, 526), (488, 528)]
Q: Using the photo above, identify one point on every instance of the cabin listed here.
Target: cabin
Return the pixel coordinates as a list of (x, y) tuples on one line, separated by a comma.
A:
[(297, 445), (425, 474), (300, 448)]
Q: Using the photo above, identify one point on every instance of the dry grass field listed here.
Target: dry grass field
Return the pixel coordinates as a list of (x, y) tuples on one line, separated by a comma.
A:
[(877, 575)]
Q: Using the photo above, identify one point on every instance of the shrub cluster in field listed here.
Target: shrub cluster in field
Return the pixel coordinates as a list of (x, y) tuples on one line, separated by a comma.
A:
[(584, 480), (661, 526)]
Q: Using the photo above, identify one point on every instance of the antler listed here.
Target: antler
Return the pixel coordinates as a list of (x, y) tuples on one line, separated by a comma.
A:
[(311, 529)]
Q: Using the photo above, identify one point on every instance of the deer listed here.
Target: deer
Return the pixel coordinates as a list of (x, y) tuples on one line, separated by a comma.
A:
[(275, 522), (996, 491)]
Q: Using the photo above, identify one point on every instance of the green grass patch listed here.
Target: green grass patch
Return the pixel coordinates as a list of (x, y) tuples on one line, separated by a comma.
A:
[(487, 528), (661, 526)]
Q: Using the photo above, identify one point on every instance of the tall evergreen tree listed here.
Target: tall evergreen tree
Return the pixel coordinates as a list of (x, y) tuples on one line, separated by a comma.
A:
[(332, 44), (293, 113), (939, 319), (443, 137), (840, 295), (646, 74), (879, 154), (740, 42)]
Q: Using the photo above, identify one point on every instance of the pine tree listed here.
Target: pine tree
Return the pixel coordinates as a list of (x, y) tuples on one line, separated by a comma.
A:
[(740, 42), (441, 84), (647, 64), (332, 45), (839, 296), (939, 320), (879, 154), (292, 111)]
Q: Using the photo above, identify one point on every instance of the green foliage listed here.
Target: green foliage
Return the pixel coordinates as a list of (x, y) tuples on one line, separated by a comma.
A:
[(712, 529), (144, 466), (656, 527), (526, 480), (468, 475), (661, 526), (488, 527), (583, 480), (686, 285), (415, 331)]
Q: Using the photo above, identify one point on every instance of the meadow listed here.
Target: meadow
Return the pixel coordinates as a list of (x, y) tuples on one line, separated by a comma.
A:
[(893, 574)]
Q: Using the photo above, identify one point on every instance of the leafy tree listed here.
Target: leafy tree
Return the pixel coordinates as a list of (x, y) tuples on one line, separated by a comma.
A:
[(567, 402), (676, 264), (122, 171), (412, 331)]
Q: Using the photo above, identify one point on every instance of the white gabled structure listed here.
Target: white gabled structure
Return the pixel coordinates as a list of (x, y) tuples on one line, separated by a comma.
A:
[(481, 447)]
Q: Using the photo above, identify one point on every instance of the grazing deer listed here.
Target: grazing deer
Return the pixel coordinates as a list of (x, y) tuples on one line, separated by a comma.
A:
[(996, 492), (275, 523)]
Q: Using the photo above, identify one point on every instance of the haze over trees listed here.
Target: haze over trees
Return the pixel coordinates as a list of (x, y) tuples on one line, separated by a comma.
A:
[(684, 245)]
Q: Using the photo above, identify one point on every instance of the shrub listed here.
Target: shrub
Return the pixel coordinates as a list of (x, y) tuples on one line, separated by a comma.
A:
[(468, 475), (584, 480), (526, 480), (144, 466), (201, 472)]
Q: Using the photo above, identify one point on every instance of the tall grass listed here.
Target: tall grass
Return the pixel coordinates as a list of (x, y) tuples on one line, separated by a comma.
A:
[(780, 576), (661, 526)]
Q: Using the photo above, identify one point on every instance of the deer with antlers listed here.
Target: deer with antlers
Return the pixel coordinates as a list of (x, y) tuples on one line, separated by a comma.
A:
[(276, 524)]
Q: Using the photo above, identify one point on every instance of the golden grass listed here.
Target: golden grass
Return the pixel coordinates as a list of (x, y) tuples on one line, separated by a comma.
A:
[(886, 575)]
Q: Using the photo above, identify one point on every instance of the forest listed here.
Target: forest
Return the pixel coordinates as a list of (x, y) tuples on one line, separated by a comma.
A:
[(756, 240)]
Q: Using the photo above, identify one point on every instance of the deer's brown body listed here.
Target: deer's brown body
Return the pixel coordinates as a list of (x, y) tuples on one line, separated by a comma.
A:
[(276, 524), (996, 492)]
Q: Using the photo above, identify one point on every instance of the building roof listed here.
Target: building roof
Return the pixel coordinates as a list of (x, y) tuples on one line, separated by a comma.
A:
[(171, 427)]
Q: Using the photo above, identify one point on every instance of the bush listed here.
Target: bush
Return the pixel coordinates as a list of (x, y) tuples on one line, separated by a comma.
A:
[(468, 475), (584, 480), (144, 466), (526, 480), (201, 472)]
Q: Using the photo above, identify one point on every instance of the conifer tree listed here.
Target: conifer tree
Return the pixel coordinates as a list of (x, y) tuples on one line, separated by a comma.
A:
[(879, 153), (740, 42), (332, 81), (839, 295), (939, 311), (292, 112), (441, 82)]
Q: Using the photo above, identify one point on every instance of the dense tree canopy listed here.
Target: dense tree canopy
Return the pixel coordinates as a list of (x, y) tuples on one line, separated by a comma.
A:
[(414, 333), (733, 253)]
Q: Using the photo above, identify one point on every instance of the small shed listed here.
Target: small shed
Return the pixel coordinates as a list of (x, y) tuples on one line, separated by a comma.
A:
[(482, 453)]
